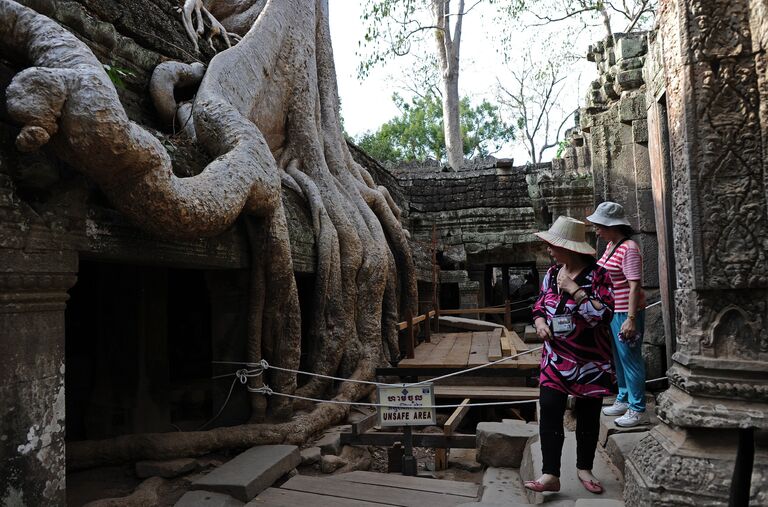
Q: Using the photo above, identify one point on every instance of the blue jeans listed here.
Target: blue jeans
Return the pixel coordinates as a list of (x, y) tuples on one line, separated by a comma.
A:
[(630, 366)]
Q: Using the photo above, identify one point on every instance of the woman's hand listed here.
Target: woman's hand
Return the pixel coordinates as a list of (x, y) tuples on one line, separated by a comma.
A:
[(568, 285), (629, 327), (542, 329)]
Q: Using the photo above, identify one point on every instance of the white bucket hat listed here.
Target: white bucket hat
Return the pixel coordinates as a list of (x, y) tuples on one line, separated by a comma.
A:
[(568, 233), (609, 214)]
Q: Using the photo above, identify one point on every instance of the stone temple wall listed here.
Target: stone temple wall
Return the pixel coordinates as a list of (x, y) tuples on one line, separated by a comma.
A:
[(614, 125), (485, 214), (707, 104)]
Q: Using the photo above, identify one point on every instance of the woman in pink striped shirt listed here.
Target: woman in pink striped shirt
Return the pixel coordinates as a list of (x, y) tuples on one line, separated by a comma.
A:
[(624, 263)]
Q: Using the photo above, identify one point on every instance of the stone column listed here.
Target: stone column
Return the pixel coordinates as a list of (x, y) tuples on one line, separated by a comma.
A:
[(715, 97), (36, 271)]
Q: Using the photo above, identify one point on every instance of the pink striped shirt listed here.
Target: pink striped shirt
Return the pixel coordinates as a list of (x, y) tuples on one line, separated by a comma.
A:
[(624, 265)]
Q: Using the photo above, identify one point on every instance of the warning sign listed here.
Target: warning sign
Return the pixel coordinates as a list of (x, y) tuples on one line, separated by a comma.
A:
[(406, 405)]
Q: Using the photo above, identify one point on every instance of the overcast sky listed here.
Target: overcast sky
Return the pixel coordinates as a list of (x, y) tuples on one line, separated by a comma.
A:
[(367, 104)]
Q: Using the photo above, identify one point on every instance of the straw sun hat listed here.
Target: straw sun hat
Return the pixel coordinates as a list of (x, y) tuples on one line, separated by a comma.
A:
[(568, 233)]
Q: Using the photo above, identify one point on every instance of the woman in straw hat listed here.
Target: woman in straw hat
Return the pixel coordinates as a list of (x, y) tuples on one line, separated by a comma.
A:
[(572, 315), (624, 263)]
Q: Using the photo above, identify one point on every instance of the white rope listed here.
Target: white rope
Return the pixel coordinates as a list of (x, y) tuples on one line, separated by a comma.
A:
[(653, 304), (242, 375), (264, 365), (269, 392), (369, 382), (655, 379)]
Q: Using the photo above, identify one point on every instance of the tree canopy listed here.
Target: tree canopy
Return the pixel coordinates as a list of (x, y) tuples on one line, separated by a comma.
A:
[(417, 134)]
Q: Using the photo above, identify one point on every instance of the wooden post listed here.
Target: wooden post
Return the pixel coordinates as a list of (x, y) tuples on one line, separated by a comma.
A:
[(427, 324), (507, 314), (410, 346)]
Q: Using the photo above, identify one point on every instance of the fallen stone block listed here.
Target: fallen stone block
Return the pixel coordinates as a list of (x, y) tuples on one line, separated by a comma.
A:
[(329, 443), (251, 472), (502, 444), (166, 469), (206, 499), (310, 455), (330, 463)]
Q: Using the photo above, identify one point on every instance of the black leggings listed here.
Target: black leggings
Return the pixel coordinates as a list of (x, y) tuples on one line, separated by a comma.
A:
[(552, 435)]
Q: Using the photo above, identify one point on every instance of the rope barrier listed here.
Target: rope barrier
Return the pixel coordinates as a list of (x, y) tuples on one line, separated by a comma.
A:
[(266, 390), (264, 365)]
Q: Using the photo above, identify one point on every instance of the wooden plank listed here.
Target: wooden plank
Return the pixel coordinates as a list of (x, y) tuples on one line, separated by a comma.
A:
[(441, 460), (487, 392), (371, 492), (458, 357), (518, 343), (506, 344), (274, 497), (433, 440), (453, 422), (431, 356), (365, 424), (416, 483), (478, 352), (421, 318), (494, 345)]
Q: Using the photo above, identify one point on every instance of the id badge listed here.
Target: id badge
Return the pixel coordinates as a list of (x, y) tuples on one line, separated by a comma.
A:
[(563, 324)]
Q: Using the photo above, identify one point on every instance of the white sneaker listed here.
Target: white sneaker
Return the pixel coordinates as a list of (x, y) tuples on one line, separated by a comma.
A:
[(618, 408), (632, 418)]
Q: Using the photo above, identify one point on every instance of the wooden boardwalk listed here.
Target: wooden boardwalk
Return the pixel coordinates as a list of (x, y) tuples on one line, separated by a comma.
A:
[(465, 350), (366, 489)]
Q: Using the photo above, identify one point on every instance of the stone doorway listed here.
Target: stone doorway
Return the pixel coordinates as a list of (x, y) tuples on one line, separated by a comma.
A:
[(138, 350)]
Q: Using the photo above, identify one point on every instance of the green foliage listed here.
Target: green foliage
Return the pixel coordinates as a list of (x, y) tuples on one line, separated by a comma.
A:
[(561, 147), (117, 74), (391, 27), (417, 134)]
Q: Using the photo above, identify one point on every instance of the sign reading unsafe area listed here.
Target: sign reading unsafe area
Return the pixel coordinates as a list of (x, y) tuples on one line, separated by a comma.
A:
[(406, 405)]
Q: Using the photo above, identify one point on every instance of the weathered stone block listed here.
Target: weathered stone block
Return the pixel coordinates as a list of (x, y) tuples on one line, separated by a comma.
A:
[(632, 107), (629, 47), (619, 445), (502, 444), (251, 472), (310, 455), (640, 130), (630, 79)]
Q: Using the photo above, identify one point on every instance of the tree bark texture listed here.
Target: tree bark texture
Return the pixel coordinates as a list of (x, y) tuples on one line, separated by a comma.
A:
[(267, 113), (448, 51)]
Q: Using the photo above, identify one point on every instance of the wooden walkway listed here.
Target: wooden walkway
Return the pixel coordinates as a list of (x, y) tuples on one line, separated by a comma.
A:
[(465, 350), (366, 489)]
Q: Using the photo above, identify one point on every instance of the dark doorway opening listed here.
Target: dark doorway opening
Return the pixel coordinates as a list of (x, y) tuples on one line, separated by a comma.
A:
[(138, 350)]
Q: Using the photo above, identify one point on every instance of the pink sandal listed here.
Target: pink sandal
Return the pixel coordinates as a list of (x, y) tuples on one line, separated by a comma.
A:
[(592, 486), (539, 487)]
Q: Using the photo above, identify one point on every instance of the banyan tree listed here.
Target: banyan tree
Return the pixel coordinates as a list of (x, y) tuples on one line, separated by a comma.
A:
[(266, 113)]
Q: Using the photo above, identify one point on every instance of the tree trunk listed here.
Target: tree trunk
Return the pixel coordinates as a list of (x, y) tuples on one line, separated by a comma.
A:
[(448, 50), (451, 125)]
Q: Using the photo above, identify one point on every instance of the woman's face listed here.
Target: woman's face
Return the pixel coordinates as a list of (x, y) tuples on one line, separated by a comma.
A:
[(601, 231), (561, 255)]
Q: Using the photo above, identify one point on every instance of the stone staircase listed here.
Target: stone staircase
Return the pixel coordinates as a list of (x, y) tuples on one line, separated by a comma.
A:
[(503, 486)]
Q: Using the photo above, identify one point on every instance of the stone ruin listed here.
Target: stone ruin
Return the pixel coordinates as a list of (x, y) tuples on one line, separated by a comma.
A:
[(675, 128)]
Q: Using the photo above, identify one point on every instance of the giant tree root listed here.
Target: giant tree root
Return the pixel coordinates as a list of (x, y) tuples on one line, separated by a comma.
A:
[(163, 446)]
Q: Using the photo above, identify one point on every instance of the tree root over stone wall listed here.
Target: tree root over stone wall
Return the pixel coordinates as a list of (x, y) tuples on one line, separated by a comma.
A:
[(267, 112)]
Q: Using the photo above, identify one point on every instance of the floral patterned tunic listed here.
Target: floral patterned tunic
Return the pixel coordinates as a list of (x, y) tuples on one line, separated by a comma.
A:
[(580, 362)]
